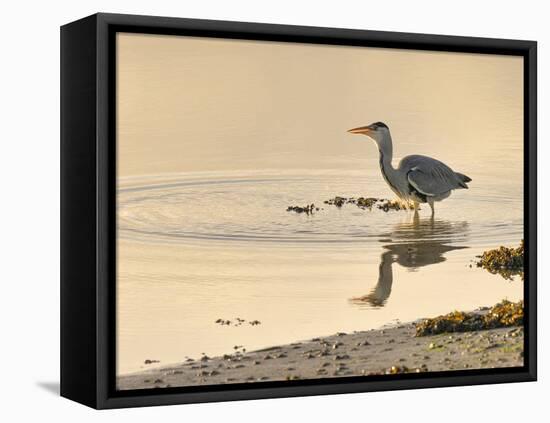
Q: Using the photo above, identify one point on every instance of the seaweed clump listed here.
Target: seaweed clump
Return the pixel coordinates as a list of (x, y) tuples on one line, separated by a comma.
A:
[(388, 205), (505, 261), (395, 370), (340, 201), (369, 202), (503, 314), (309, 209)]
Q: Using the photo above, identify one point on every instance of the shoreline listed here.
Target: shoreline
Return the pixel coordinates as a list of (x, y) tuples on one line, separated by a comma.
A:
[(387, 350)]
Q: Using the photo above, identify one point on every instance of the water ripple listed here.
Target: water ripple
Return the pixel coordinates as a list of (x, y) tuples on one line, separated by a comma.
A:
[(252, 208)]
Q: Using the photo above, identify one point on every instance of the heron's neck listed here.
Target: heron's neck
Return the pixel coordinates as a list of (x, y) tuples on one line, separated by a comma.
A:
[(386, 154), (391, 175)]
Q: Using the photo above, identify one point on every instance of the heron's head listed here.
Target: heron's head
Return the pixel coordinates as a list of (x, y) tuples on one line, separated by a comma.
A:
[(378, 132)]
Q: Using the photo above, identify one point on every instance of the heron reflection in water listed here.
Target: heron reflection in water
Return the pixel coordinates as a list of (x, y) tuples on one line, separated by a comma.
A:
[(420, 243)]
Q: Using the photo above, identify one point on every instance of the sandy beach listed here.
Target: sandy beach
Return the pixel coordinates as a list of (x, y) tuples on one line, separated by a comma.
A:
[(383, 351)]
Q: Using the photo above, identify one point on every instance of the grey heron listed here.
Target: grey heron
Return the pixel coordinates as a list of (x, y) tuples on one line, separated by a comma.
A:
[(417, 179)]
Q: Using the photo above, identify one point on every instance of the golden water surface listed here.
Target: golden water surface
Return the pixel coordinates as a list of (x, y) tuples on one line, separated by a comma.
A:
[(216, 138)]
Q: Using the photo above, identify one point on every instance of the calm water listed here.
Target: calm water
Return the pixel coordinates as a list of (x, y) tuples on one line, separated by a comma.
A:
[(201, 246), (216, 138)]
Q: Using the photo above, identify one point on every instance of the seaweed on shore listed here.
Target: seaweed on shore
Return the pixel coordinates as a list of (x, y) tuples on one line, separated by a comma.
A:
[(395, 370), (505, 261), (370, 202), (503, 314)]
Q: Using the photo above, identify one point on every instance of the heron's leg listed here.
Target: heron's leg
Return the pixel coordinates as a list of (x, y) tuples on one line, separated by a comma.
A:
[(431, 203), (416, 219)]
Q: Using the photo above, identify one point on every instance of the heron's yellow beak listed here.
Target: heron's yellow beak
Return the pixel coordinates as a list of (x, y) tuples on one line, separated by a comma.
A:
[(361, 130)]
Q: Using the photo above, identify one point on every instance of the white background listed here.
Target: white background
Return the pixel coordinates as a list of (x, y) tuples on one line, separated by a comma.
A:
[(29, 300)]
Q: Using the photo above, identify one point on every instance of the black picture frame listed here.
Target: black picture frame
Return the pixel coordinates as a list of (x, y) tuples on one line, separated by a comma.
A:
[(88, 238)]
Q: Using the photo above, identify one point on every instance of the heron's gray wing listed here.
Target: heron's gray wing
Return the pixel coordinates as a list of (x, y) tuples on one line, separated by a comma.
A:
[(429, 176)]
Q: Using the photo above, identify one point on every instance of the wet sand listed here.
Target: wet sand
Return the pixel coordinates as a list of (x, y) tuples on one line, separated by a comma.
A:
[(382, 351)]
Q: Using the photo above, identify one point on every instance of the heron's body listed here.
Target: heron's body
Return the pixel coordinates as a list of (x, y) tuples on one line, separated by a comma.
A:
[(416, 179)]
